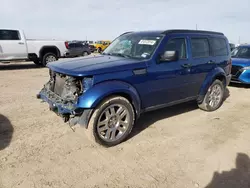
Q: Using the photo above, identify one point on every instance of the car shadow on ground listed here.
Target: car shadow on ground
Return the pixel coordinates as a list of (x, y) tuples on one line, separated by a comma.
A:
[(237, 85), (149, 118), (6, 132), (19, 66), (238, 177)]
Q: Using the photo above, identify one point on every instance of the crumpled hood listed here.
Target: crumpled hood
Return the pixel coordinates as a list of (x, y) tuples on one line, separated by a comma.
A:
[(241, 62), (92, 65)]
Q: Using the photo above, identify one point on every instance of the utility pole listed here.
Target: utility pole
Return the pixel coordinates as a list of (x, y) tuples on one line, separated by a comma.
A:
[(239, 40), (196, 26)]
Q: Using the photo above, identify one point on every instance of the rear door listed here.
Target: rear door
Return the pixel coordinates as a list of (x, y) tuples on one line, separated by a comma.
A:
[(220, 52), (202, 62), (12, 45), (72, 49)]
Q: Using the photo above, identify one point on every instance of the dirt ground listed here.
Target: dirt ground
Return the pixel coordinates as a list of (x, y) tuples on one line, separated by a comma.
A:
[(177, 147)]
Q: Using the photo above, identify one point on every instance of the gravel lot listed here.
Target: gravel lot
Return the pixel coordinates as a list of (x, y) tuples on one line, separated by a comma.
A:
[(177, 147)]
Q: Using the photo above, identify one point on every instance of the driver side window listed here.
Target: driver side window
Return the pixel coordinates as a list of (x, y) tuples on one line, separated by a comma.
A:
[(177, 44)]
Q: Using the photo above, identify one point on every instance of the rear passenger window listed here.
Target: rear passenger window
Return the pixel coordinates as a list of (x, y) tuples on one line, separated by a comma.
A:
[(9, 35), (219, 46), (177, 44), (72, 45), (200, 47)]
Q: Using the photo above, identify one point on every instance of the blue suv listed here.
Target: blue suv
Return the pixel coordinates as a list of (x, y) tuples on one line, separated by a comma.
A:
[(138, 72), (241, 64)]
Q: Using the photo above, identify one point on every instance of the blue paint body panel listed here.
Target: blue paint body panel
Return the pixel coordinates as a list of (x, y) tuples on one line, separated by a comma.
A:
[(148, 83), (241, 67)]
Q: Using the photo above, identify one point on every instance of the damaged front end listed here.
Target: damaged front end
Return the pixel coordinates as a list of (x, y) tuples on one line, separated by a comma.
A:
[(61, 92)]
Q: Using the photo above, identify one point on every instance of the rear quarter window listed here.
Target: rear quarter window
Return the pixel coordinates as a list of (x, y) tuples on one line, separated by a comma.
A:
[(219, 46), (200, 47)]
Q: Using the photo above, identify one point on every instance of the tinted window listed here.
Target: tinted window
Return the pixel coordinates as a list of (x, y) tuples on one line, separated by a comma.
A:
[(79, 45), (72, 45), (241, 52), (177, 45), (200, 47), (219, 46), (9, 35)]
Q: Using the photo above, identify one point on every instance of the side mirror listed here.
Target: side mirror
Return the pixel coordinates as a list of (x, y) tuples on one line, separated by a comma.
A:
[(169, 56)]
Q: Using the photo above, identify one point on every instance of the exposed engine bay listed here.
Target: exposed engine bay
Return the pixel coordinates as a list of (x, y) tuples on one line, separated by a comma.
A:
[(67, 87)]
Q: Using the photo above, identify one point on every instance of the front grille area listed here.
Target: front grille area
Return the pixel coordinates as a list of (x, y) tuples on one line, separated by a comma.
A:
[(236, 70), (66, 87), (59, 84)]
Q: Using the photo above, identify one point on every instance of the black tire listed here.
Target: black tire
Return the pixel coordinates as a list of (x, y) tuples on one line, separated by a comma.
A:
[(46, 56), (99, 50), (37, 62), (92, 132), (205, 105), (85, 53)]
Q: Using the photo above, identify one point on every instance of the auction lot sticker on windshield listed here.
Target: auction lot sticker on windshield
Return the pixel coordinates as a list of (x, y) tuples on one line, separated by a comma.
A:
[(147, 42)]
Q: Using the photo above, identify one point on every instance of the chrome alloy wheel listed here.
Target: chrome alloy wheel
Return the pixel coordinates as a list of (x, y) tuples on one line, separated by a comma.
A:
[(113, 122), (50, 58), (215, 96)]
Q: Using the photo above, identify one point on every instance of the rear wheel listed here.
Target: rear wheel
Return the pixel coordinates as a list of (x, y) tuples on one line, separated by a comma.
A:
[(214, 97), (111, 122), (99, 50), (48, 57)]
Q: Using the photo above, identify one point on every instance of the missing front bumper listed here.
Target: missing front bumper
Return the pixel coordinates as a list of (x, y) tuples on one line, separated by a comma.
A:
[(68, 110)]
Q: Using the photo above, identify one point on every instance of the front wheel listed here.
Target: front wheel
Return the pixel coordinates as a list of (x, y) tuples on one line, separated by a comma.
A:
[(85, 53), (214, 97), (37, 62), (111, 122)]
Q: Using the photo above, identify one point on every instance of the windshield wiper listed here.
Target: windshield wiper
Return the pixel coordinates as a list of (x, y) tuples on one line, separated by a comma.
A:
[(118, 54), (121, 55)]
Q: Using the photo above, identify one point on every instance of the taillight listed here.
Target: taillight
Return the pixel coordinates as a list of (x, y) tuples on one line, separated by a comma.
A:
[(66, 45)]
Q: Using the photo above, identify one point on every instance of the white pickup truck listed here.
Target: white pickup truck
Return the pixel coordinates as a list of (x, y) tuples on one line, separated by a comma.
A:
[(14, 46)]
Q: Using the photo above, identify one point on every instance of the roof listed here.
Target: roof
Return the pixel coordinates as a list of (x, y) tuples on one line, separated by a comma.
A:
[(175, 31)]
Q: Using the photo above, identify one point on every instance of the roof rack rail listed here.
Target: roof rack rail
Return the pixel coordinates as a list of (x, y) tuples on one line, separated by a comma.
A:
[(190, 31)]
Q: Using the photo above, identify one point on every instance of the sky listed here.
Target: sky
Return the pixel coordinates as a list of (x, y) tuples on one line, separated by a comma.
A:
[(106, 19)]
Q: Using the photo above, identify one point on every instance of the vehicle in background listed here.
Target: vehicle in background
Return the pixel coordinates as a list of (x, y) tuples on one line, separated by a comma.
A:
[(137, 73), (232, 46), (14, 46), (89, 42), (92, 48), (241, 64), (101, 45), (77, 49)]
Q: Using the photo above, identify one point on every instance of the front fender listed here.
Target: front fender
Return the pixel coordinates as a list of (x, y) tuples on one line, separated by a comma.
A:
[(92, 97), (217, 72)]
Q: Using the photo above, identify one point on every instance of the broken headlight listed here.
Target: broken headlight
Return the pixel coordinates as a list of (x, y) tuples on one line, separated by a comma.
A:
[(72, 88), (87, 83)]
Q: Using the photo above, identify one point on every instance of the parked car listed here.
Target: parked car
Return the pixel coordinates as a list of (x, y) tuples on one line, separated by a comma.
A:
[(101, 45), (14, 46), (78, 49), (232, 46), (137, 73), (241, 64), (92, 48)]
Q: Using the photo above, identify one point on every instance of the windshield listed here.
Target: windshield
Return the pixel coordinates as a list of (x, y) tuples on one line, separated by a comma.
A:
[(241, 52), (133, 46), (98, 42)]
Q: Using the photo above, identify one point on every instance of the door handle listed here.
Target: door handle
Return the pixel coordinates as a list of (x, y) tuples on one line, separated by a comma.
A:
[(21, 43), (186, 65), (210, 62)]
